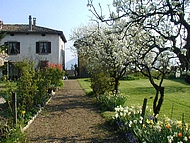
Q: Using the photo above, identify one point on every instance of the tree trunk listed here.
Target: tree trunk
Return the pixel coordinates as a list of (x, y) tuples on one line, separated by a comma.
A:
[(158, 102), (116, 85)]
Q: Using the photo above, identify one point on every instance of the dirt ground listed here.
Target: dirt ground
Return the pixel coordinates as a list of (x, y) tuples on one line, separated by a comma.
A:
[(70, 117)]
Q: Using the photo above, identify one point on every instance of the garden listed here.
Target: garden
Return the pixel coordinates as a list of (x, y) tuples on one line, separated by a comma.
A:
[(137, 58), (33, 89), (172, 122), (138, 61)]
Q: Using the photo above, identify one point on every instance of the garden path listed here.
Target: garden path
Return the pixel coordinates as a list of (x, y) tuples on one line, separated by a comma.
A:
[(70, 117)]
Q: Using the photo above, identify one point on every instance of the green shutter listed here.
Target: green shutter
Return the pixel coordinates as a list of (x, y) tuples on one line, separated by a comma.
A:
[(49, 47), (6, 46), (18, 47), (37, 47)]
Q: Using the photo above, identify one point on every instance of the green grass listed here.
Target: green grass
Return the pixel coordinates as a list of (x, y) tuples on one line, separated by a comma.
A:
[(85, 84), (176, 101)]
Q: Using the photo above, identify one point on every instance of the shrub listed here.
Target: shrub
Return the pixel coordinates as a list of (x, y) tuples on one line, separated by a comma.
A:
[(5, 128), (26, 85), (42, 85), (55, 75), (130, 77), (9, 88), (15, 136), (32, 88), (100, 83), (111, 100)]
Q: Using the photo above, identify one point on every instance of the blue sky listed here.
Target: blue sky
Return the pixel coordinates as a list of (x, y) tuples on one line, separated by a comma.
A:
[(61, 15)]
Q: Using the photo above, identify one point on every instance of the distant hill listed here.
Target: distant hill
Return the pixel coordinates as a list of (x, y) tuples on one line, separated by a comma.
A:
[(71, 62)]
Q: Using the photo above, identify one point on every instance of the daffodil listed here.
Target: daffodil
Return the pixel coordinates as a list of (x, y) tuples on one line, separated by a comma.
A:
[(23, 112)]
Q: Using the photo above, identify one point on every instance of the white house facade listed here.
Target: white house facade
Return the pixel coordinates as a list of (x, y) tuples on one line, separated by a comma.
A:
[(34, 43)]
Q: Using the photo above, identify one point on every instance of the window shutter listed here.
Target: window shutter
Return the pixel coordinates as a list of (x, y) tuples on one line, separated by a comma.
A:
[(49, 47), (6, 45), (37, 47), (18, 47)]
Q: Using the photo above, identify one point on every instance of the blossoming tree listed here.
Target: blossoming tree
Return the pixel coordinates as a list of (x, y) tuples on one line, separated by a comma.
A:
[(106, 49), (164, 18), (103, 51), (151, 58), (156, 32)]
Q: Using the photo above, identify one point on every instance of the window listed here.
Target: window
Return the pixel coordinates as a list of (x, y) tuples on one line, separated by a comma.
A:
[(13, 48), (43, 47)]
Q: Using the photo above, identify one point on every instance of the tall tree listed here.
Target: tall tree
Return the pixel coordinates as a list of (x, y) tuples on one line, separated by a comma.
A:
[(168, 19), (152, 60), (102, 50), (160, 33)]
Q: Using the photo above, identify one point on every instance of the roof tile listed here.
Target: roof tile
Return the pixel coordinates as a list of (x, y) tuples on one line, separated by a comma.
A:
[(24, 28)]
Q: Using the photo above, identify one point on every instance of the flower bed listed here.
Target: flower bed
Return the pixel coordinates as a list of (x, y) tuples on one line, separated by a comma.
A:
[(146, 130)]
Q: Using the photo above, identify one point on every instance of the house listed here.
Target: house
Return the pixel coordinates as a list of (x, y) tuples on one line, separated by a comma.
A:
[(35, 43)]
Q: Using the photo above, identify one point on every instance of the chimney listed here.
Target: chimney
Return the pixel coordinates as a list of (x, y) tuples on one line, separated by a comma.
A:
[(30, 22), (1, 24), (34, 21)]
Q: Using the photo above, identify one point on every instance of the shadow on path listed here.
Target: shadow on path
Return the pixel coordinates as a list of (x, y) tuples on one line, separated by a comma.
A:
[(70, 117)]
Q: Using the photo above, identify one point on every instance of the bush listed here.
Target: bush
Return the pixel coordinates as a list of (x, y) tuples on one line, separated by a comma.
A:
[(8, 133), (15, 136), (42, 85), (100, 83), (5, 128), (54, 75), (26, 85), (32, 87), (111, 100), (130, 77)]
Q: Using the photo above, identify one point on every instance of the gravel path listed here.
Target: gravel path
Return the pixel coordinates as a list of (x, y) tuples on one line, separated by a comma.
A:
[(70, 117)]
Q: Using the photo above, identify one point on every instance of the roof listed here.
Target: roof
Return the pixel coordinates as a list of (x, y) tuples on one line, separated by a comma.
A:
[(24, 28)]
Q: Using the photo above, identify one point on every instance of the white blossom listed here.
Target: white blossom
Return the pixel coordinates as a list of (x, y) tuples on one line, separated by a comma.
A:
[(184, 51)]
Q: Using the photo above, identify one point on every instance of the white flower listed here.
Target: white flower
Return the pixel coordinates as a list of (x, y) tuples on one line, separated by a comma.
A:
[(141, 118), (135, 121), (116, 115), (185, 139), (125, 110), (184, 51), (170, 139), (130, 124), (156, 116), (121, 114), (157, 127), (117, 108), (175, 134)]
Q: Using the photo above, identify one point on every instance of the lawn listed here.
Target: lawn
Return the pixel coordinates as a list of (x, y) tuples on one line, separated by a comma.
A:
[(176, 101)]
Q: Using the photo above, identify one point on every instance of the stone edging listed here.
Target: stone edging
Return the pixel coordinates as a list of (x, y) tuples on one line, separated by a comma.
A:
[(33, 118)]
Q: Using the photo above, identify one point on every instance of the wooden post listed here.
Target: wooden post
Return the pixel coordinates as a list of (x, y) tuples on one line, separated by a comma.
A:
[(144, 108), (183, 120), (14, 101)]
